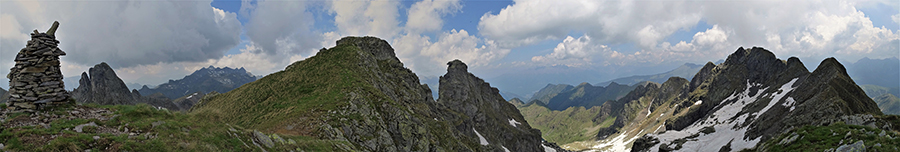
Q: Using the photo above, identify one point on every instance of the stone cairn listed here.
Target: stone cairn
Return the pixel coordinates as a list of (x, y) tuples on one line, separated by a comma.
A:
[(35, 81)]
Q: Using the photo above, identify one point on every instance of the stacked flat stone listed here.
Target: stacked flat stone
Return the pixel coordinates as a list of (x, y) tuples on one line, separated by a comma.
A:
[(36, 81)]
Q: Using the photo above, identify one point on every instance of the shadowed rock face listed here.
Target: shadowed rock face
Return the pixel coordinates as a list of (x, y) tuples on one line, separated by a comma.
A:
[(485, 110), (102, 86)]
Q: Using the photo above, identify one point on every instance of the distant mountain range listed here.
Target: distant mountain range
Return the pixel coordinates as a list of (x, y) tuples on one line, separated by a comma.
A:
[(881, 72), (686, 71), (204, 80), (587, 96)]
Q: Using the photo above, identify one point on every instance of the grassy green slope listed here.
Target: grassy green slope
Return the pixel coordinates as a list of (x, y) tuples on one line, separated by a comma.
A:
[(304, 89), (822, 138), (562, 127), (140, 128)]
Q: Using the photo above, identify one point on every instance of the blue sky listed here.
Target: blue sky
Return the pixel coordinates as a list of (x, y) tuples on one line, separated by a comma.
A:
[(150, 42)]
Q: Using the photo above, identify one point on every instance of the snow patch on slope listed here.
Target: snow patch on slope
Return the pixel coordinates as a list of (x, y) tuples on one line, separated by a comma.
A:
[(726, 123), (777, 97), (514, 123), (548, 149), (481, 138), (619, 143), (507, 150), (789, 102)]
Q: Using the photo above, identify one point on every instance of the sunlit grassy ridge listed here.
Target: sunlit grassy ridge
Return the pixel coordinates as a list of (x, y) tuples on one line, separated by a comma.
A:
[(304, 89)]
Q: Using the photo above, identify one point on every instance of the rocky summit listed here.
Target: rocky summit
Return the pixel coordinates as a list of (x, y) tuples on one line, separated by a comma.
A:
[(750, 98), (358, 96)]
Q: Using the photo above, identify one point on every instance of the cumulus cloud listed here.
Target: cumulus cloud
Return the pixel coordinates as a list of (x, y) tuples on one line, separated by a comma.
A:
[(124, 33), (896, 18), (281, 28), (359, 18), (530, 21), (427, 58), (574, 52), (425, 16), (812, 29)]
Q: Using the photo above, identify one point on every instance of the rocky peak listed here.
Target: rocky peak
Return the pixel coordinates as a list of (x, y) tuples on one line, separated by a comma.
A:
[(381, 49), (101, 85), (487, 115), (457, 66), (831, 67)]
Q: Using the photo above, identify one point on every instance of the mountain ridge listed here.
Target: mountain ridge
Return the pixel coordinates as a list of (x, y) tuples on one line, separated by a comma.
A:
[(204, 80), (753, 93), (358, 91)]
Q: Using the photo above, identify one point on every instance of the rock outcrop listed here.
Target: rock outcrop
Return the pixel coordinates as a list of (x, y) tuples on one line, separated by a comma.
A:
[(102, 86), (4, 95), (36, 80), (484, 109)]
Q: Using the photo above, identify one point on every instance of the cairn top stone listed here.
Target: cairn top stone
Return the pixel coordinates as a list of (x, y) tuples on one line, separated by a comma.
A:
[(52, 30)]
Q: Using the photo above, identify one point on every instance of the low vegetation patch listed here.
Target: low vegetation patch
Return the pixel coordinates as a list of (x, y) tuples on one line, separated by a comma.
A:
[(139, 128)]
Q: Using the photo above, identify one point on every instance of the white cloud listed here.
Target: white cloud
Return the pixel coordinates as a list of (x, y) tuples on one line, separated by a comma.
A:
[(281, 28), (572, 52), (426, 15), (812, 29), (530, 21), (896, 18), (249, 59), (360, 18), (427, 58)]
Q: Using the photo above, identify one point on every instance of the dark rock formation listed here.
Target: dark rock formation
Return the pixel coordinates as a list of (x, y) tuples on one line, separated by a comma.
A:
[(204, 80), (102, 86), (36, 80), (485, 110), (4, 95)]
